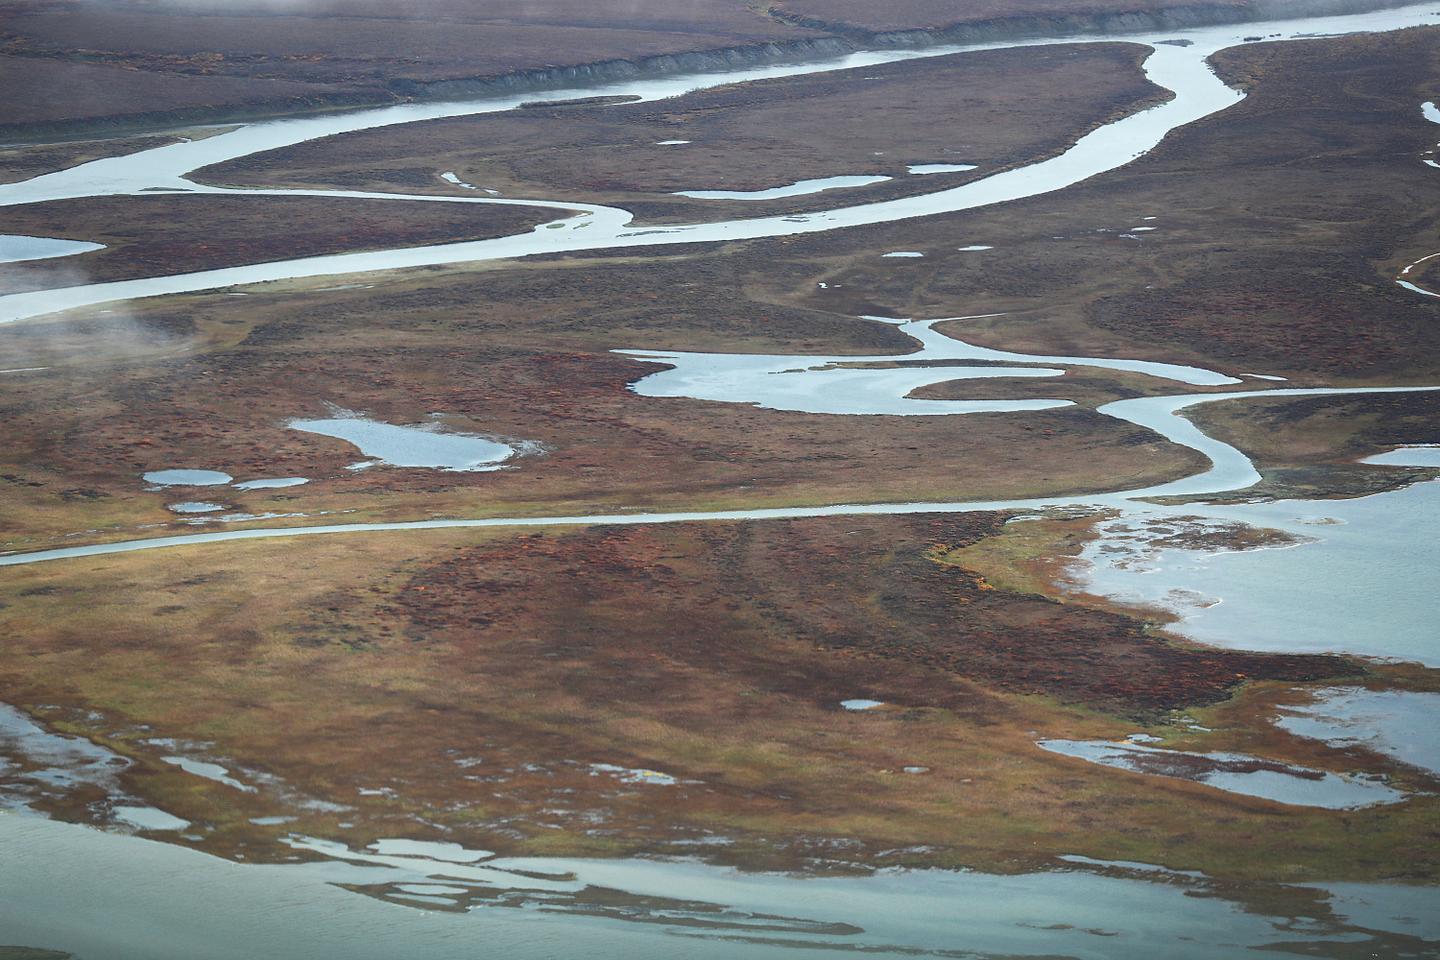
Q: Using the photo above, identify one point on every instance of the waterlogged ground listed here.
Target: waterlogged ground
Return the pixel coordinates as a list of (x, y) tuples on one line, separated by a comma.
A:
[(1095, 911), (674, 589), (1282, 595)]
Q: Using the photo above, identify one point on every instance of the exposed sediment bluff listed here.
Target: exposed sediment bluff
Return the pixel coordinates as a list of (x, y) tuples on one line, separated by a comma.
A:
[(843, 38)]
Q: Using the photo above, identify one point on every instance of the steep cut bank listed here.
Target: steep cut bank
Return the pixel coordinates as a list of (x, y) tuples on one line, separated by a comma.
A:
[(798, 36), (910, 20), (844, 37)]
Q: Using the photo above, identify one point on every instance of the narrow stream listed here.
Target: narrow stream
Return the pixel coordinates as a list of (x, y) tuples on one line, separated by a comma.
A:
[(1184, 69), (1230, 470)]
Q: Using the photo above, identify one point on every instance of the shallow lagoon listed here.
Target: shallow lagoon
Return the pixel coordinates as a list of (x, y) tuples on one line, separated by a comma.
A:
[(1303, 597), (1234, 773), (1398, 723), (122, 898)]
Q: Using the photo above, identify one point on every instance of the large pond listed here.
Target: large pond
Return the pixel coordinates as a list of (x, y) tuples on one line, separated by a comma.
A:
[(421, 445)]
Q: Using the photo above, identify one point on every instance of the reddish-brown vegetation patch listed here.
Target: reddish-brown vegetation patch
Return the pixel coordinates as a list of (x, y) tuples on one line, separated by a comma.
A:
[(574, 605), (871, 590), (948, 617), (159, 235), (993, 109), (1244, 269), (58, 95), (107, 62), (518, 353)]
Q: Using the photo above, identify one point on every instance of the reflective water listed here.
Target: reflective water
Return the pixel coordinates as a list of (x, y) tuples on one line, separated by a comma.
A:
[(1413, 288), (105, 896), (1362, 580), (846, 385), (423, 445), (149, 818), (1184, 70), (36, 763), (194, 506), (799, 384), (429, 849), (186, 478), (209, 771), (15, 248), (1414, 455), (1234, 773), (797, 189), (1398, 723), (271, 483), (921, 169)]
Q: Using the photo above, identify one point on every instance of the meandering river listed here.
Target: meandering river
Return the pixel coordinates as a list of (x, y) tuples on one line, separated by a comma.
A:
[(1184, 70), (99, 894), (1181, 67)]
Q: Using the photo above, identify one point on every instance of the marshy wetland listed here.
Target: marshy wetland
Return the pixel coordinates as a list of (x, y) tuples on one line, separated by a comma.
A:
[(691, 577)]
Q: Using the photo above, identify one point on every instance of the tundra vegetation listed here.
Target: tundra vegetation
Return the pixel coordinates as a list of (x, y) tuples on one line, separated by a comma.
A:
[(465, 685)]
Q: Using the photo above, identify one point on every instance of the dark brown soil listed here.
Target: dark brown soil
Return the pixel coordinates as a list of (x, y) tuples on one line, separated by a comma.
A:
[(1280, 224), (521, 353), (993, 109), (166, 234), (105, 63), (938, 14)]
